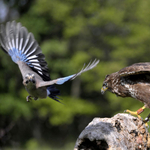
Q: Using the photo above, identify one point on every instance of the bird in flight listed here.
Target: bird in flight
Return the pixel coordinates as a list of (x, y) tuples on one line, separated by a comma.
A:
[(132, 81), (24, 50)]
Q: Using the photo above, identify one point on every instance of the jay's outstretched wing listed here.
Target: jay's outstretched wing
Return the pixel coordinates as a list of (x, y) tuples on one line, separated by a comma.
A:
[(21, 46), (71, 77)]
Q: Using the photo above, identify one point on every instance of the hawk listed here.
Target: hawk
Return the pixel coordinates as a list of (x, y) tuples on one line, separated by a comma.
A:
[(132, 81)]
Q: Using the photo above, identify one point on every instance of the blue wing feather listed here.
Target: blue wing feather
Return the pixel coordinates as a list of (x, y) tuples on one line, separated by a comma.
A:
[(64, 79)]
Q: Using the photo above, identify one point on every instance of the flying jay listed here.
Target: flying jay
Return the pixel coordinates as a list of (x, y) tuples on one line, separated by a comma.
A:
[(26, 53)]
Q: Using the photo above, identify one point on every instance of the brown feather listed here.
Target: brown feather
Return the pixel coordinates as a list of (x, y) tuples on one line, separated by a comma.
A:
[(138, 68), (132, 81)]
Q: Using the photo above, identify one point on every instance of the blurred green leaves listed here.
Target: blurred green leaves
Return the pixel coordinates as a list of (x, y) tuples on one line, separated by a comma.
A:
[(64, 113), (54, 47), (14, 106)]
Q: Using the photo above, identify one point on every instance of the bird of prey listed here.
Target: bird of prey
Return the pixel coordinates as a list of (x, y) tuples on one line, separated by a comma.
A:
[(132, 81), (24, 50)]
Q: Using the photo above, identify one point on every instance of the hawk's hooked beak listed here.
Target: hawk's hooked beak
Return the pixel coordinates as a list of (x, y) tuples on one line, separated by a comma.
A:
[(103, 89)]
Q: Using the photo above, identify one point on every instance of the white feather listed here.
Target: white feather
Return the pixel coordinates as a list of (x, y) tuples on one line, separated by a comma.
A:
[(37, 68), (25, 45), (33, 60), (16, 43), (10, 45), (28, 47), (32, 57), (20, 46), (31, 52), (35, 64), (40, 72), (13, 43)]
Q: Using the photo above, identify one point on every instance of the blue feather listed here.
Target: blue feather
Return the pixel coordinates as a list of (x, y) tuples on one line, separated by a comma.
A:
[(17, 55), (63, 80), (52, 92)]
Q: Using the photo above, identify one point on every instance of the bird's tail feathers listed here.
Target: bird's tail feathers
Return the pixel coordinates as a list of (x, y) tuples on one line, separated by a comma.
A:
[(53, 92)]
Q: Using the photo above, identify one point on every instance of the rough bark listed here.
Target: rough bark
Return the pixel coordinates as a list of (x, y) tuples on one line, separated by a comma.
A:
[(121, 132)]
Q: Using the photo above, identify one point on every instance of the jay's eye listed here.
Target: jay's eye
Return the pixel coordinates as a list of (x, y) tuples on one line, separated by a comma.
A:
[(27, 82), (33, 81)]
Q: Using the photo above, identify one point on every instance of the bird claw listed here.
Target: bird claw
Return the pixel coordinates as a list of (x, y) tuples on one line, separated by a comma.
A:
[(134, 113), (28, 98), (125, 111), (146, 120)]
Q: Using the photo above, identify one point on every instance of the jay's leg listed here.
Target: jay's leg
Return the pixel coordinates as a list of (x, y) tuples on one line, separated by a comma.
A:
[(28, 98)]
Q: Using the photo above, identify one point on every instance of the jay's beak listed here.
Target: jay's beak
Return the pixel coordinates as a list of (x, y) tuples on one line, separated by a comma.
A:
[(31, 79)]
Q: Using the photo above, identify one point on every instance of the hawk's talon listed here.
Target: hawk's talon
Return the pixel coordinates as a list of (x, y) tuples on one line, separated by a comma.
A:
[(139, 111), (124, 111), (146, 124), (135, 113), (28, 98), (146, 120)]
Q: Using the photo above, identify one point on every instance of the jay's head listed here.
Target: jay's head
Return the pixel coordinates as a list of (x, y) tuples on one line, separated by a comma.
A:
[(29, 79)]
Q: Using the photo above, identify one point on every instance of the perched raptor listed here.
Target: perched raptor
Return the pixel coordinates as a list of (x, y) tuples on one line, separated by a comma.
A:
[(132, 81), (26, 53)]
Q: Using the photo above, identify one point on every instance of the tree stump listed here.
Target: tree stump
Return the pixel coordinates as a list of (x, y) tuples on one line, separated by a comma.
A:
[(121, 132)]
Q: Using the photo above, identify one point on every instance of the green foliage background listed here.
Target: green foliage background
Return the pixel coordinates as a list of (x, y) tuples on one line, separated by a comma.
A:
[(71, 33)]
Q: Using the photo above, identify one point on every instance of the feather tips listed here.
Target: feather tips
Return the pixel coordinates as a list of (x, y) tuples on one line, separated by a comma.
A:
[(21, 46), (88, 67), (84, 69), (137, 68), (60, 81)]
